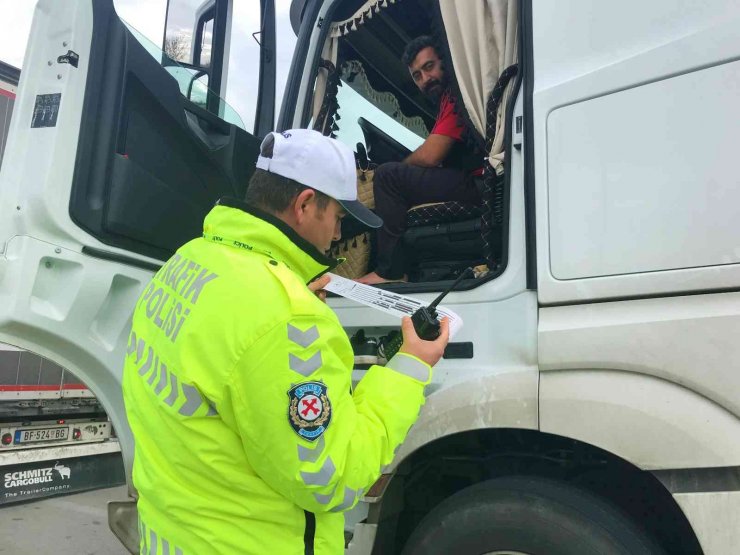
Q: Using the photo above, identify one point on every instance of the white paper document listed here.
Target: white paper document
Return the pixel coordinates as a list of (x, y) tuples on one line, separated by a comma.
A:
[(386, 301)]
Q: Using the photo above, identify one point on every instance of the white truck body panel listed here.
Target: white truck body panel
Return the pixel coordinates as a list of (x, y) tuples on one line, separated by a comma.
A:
[(714, 518), (633, 145), (637, 210), (579, 403), (690, 341)]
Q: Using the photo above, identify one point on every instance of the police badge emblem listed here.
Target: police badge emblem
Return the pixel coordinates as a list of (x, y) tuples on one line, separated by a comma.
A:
[(309, 412)]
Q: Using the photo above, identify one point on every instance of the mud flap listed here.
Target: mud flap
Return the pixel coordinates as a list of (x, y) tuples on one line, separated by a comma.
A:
[(48, 474)]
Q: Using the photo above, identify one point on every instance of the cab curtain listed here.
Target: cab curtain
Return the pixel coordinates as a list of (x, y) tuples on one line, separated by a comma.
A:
[(482, 38), (331, 46)]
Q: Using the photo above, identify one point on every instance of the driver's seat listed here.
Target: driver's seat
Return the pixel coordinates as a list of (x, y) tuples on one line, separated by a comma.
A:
[(442, 239)]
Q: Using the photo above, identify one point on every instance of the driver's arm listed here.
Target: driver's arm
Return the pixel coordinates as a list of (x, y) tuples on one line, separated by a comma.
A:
[(432, 152)]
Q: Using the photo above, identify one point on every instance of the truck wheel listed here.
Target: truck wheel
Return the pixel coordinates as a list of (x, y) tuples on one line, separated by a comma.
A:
[(527, 516)]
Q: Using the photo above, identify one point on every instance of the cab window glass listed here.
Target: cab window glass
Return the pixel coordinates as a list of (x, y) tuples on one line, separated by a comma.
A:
[(243, 71), (352, 106), (193, 82), (239, 80)]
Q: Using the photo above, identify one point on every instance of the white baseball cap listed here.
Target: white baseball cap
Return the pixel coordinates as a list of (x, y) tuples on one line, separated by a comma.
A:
[(319, 162)]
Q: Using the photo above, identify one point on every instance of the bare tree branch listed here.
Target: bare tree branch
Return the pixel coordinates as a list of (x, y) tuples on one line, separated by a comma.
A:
[(177, 47)]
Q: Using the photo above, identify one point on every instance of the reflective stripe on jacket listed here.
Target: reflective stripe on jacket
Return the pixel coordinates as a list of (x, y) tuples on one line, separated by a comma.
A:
[(237, 384)]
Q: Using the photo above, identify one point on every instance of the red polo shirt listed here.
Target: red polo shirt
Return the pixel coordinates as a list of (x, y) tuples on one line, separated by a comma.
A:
[(447, 123)]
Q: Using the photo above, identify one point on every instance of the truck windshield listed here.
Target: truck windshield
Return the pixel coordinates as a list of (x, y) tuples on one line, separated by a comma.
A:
[(352, 106)]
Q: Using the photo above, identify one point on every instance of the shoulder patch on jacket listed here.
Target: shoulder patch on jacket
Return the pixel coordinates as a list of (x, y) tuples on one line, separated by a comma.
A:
[(309, 410)]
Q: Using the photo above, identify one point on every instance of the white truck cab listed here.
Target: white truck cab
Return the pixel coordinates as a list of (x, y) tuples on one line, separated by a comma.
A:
[(591, 403)]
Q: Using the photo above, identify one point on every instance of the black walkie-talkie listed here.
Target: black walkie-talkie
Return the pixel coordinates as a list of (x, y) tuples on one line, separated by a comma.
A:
[(424, 320)]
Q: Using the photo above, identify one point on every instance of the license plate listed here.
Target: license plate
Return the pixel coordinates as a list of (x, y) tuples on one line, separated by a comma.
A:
[(42, 434)]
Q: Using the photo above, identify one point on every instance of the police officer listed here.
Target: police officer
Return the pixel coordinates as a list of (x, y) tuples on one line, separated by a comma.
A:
[(237, 379)]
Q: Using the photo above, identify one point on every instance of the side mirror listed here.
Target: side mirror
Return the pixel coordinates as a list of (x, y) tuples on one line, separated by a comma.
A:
[(297, 8), (188, 37)]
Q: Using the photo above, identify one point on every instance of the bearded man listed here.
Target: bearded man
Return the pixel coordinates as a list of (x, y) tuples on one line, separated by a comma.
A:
[(437, 171)]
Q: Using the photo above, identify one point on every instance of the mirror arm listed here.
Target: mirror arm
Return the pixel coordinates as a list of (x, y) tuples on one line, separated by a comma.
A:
[(197, 75)]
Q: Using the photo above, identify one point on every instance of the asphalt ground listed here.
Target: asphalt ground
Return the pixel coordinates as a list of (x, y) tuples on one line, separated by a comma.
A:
[(74, 524)]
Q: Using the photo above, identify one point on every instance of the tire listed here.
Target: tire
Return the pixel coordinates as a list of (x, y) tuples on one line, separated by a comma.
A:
[(527, 515)]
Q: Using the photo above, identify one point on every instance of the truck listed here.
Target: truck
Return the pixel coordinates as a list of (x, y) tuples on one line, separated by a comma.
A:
[(590, 403), (46, 413)]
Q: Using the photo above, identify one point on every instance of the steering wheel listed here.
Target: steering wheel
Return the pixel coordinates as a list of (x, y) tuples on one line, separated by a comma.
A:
[(381, 147)]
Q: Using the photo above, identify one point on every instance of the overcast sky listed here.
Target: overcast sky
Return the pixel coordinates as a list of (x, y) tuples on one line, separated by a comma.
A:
[(148, 17)]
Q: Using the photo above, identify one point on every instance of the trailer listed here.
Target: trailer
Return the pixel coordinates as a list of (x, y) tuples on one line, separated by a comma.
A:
[(41, 403), (55, 437), (9, 77)]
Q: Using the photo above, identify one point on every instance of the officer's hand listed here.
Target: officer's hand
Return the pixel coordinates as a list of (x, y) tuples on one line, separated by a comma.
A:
[(318, 285), (428, 351)]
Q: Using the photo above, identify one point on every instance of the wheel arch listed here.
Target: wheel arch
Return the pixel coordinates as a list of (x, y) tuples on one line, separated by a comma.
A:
[(448, 464)]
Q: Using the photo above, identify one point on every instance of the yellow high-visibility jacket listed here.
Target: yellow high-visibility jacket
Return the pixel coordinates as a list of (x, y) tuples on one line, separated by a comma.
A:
[(237, 384)]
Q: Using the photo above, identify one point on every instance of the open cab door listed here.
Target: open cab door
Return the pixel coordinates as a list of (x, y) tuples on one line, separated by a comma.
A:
[(115, 154)]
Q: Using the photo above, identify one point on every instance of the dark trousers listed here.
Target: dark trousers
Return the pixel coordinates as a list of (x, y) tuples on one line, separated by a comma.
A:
[(398, 187)]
